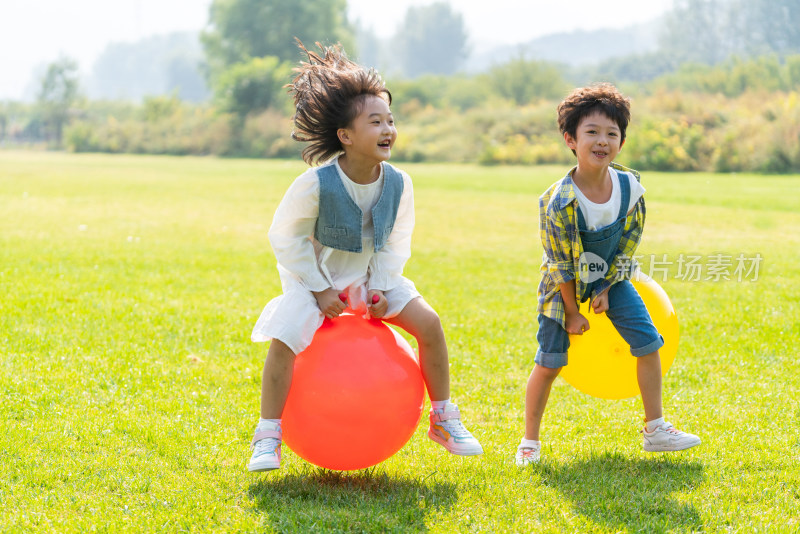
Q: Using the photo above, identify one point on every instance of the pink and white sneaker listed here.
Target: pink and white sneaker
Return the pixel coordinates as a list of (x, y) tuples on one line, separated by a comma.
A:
[(446, 430), (266, 448), (665, 438), (527, 455)]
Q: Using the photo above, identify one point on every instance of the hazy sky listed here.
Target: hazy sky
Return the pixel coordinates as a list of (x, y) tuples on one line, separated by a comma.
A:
[(35, 32)]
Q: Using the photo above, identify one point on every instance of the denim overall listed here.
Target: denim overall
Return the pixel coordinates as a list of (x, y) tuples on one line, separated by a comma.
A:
[(604, 242), (626, 310)]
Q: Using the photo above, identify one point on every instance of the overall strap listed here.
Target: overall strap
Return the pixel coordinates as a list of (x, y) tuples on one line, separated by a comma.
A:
[(581, 220), (625, 190)]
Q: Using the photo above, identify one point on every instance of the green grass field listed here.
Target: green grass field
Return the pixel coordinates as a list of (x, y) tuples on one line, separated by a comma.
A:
[(129, 387)]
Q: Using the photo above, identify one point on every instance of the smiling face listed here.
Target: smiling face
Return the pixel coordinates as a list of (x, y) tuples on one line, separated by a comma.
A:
[(597, 141), (371, 135)]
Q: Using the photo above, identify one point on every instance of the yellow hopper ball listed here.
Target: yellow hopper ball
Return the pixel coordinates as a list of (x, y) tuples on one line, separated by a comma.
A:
[(600, 361)]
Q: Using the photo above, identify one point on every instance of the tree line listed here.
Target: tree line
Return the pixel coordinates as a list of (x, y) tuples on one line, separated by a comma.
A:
[(506, 112)]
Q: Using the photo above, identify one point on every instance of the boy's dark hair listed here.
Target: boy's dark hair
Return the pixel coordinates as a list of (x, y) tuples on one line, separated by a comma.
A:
[(329, 92), (582, 102)]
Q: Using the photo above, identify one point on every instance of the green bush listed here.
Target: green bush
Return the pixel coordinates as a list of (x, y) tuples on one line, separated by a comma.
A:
[(668, 145), (524, 81), (253, 86), (185, 130), (765, 137), (735, 76), (740, 116), (267, 135)]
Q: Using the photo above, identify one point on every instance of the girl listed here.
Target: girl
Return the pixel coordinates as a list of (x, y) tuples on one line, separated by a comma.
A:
[(341, 235)]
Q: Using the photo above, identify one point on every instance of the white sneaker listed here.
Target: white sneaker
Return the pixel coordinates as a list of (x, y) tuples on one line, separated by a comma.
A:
[(666, 437), (266, 448), (527, 455), (446, 430)]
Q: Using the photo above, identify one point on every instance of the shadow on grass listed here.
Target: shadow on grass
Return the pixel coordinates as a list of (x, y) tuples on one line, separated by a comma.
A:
[(364, 501), (621, 493)]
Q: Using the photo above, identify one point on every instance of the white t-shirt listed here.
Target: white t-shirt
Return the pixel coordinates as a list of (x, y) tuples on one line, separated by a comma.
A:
[(365, 196), (599, 216)]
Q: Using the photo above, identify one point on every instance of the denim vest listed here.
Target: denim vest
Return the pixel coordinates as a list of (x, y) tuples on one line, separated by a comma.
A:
[(339, 223)]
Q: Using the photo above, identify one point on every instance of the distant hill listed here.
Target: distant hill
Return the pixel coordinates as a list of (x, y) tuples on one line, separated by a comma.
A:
[(578, 48), (156, 65), (163, 64)]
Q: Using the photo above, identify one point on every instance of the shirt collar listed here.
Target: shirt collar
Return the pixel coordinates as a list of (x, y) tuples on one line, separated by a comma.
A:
[(566, 193)]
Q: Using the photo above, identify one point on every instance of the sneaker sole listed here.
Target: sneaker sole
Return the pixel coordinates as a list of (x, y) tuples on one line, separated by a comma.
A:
[(259, 468), (656, 448), (468, 452)]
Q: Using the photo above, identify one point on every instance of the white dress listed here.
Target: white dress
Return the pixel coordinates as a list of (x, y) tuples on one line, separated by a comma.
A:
[(304, 265)]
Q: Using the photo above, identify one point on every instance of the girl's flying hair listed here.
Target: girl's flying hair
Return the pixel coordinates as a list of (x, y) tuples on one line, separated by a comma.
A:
[(329, 92)]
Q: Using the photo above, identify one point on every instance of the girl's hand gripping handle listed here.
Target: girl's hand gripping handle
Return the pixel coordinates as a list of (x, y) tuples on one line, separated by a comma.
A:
[(378, 304), (330, 302)]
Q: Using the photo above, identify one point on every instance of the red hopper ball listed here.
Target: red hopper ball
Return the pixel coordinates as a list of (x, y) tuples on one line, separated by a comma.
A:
[(356, 396)]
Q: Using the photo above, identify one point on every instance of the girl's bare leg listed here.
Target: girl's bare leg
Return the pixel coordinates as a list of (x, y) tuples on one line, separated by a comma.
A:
[(422, 322), (276, 379)]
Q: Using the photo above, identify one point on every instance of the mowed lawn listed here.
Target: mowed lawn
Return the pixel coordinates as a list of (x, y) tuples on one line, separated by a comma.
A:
[(129, 388)]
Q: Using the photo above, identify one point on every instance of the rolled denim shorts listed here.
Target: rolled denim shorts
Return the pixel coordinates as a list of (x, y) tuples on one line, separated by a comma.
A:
[(627, 313)]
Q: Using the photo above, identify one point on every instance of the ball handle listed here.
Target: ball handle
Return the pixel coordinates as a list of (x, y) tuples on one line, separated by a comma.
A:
[(343, 298)]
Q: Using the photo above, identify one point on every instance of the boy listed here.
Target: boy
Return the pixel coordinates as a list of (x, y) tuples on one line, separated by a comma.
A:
[(595, 212)]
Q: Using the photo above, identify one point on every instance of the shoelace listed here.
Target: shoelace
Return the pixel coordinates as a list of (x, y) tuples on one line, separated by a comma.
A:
[(527, 453), (454, 427), (266, 446), (666, 427)]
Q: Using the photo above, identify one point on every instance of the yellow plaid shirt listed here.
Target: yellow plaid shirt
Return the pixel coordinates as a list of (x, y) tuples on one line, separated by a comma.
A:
[(561, 241)]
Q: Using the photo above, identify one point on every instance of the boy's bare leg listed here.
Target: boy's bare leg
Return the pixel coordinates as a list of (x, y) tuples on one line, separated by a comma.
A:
[(276, 379), (648, 373), (536, 395)]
